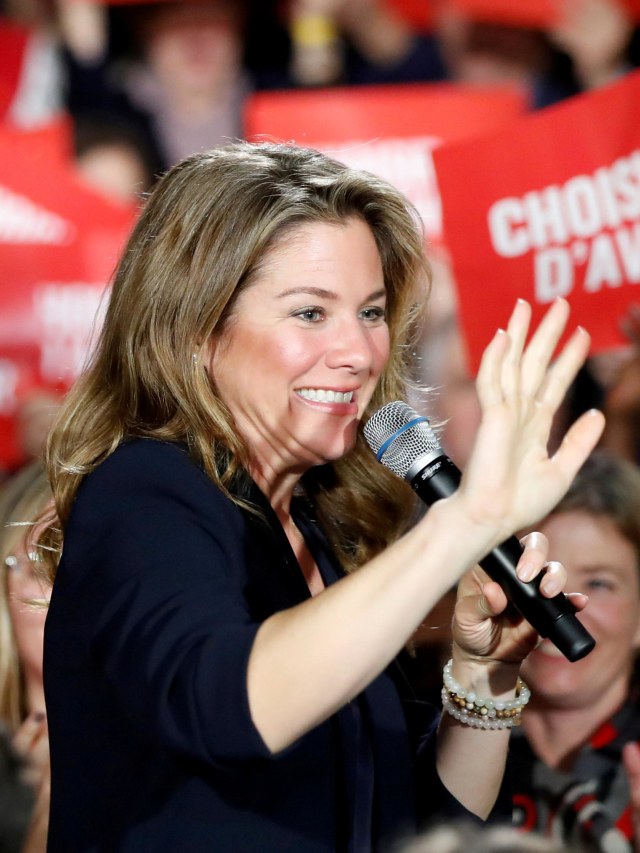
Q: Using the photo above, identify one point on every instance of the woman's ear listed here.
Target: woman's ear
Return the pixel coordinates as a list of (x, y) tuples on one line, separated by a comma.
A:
[(205, 354)]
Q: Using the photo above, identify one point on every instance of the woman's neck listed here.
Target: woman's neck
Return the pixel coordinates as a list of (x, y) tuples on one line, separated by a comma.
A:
[(556, 733)]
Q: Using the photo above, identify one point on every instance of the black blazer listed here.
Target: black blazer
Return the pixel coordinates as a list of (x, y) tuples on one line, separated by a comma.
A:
[(162, 586)]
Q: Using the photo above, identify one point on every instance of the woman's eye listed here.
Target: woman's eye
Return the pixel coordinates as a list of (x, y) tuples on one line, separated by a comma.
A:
[(374, 313), (599, 584), (310, 315)]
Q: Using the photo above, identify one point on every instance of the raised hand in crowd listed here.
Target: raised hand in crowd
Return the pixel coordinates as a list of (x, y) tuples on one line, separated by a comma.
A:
[(318, 29), (596, 35), (631, 760), (84, 28)]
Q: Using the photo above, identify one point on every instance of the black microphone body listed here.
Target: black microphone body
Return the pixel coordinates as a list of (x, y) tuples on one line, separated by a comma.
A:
[(433, 476)]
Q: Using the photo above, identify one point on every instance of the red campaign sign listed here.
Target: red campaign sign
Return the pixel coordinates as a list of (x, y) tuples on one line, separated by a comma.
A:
[(545, 208), (13, 42), (59, 244), (388, 130), (50, 144), (418, 13), (525, 13)]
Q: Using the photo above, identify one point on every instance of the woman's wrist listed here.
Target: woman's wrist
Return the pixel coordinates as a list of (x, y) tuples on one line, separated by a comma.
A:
[(453, 515), (487, 712), (484, 676)]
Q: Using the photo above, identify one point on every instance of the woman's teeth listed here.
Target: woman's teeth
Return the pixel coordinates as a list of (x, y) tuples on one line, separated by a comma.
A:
[(318, 395)]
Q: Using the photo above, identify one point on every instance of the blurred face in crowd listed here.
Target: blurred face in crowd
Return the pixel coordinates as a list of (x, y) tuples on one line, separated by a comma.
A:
[(195, 46), (305, 346), (35, 414), (603, 564), (26, 595), (484, 53)]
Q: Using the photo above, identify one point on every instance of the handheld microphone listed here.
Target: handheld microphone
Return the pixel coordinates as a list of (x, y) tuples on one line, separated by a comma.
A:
[(403, 441)]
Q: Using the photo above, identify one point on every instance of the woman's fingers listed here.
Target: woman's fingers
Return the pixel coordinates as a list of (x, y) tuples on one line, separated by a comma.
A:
[(581, 438), (535, 560), (578, 599), (538, 354), (554, 579), (509, 370), (564, 370), (534, 556), (517, 330), (499, 372), (489, 378)]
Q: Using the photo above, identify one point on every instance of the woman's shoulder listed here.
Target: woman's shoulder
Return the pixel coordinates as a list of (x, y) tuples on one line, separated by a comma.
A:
[(140, 455), (146, 468)]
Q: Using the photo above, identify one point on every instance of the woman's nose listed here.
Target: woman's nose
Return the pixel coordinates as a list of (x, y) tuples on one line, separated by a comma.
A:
[(350, 346)]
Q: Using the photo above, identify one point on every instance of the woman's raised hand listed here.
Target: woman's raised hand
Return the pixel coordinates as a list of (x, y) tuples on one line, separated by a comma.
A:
[(511, 481)]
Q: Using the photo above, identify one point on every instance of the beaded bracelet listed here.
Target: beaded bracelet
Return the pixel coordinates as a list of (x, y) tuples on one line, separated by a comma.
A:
[(471, 710)]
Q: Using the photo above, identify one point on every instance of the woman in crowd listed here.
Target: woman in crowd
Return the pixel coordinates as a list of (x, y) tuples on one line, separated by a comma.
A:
[(238, 578), (184, 91), (582, 720), (23, 593)]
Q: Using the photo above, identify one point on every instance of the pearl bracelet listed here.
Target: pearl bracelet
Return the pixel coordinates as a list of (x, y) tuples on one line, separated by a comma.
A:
[(471, 710)]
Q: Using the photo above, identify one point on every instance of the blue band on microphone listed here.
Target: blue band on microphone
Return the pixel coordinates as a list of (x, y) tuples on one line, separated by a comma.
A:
[(398, 432)]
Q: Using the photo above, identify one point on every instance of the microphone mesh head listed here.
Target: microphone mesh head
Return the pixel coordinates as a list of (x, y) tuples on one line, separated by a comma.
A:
[(406, 443)]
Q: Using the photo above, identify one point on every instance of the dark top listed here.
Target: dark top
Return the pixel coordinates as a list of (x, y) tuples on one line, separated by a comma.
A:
[(161, 588)]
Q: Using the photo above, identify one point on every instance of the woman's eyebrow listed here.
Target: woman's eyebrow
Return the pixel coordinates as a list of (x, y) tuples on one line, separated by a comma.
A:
[(321, 293)]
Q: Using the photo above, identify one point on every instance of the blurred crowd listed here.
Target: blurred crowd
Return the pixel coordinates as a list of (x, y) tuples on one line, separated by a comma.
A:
[(147, 83), (167, 78), (144, 85)]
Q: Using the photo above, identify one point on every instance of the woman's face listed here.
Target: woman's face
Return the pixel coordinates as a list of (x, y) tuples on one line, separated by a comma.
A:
[(195, 47), (603, 564), (27, 619), (305, 346)]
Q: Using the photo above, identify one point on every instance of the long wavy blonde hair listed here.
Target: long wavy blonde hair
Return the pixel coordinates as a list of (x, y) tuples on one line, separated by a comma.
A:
[(199, 242)]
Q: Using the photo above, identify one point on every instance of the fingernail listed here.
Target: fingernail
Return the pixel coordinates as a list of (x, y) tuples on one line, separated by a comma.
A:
[(525, 573), (576, 594), (551, 588)]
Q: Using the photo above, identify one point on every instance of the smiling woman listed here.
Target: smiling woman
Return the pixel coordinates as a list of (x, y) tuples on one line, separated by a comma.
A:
[(223, 650), (298, 365), (570, 775)]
